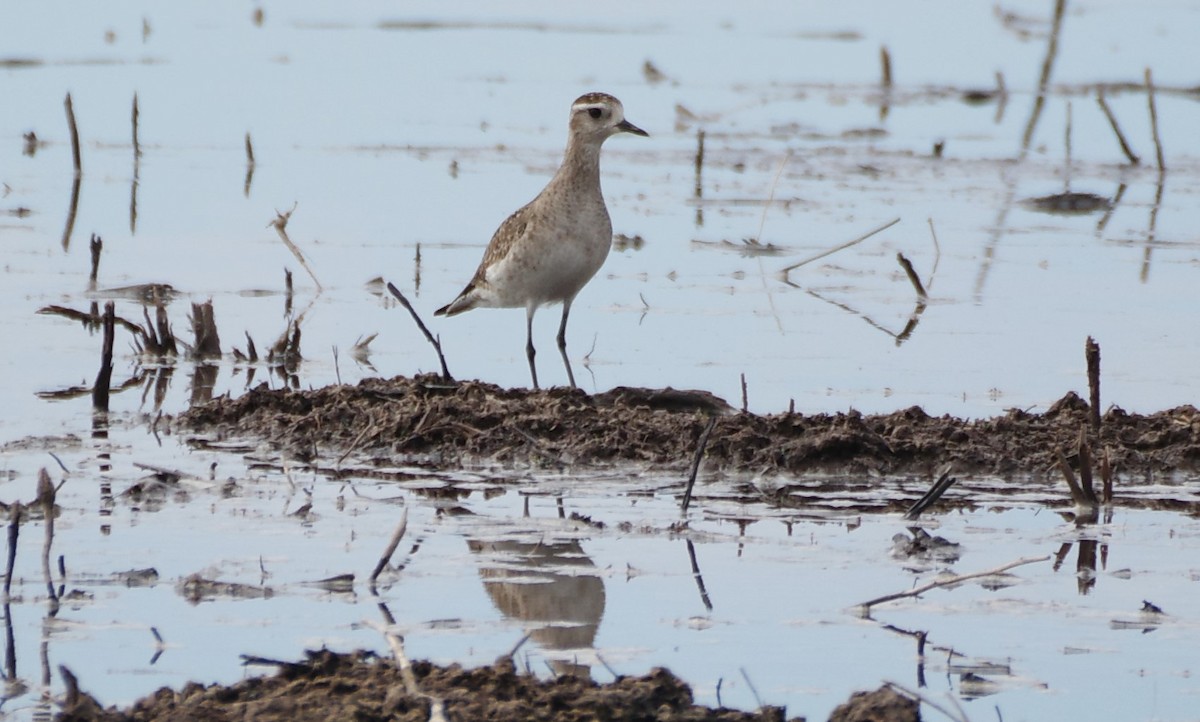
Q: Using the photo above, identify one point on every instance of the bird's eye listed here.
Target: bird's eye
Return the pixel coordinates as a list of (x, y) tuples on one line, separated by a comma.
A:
[(594, 112)]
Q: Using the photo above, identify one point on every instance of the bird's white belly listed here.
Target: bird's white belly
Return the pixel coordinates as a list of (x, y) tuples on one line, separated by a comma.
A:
[(549, 272)]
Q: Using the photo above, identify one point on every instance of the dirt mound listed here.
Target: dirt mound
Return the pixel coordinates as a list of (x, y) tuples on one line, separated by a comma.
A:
[(427, 420), (360, 686)]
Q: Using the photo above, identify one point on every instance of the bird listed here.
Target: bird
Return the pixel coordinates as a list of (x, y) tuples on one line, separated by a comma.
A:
[(549, 249)]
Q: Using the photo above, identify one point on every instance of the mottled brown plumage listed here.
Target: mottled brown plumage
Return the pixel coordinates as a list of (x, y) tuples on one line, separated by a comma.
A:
[(550, 248)]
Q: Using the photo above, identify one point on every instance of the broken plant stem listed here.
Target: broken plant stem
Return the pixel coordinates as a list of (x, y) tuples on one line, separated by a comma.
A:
[(1112, 120), (841, 247), (762, 221), (391, 547), (944, 482), (697, 576), (687, 493), (1158, 149), (104, 376), (14, 530), (1091, 351), (436, 343), (956, 579), (1067, 172), (46, 495), (437, 706), (280, 226), (249, 167), (937, 251), (959, 717), (1077, 493), (76, 156), (913, 278)]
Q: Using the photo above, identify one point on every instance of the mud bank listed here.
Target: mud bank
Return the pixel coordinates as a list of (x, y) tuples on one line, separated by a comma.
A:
[(360, 686), (430, 421)]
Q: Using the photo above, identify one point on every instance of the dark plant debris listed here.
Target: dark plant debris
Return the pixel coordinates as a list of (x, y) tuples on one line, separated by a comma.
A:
[(361, 686), (1070, 203), (428, 420)]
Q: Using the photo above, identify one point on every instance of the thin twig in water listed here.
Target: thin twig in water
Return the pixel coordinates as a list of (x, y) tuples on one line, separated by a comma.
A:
[(1068, 473), (1106, 477), (762, 221), (14, 530), (587, 358), (944, 482), (913, 278), (249, 166), (696, 575), (937, 252), (757, 241), (516, 647), (417, 270), (1158, 150), (437, 706), (1067, 173), (46, 495), (137, 146), (1002, 94), (960, 716), (607, 666), (687, 493), (137, 156), (757, 699), (76, 156), (280, 226), (397, 646), (59, 461), (1112, 120), (391, 547), (841, 247), (949, 581), (73, 208), (436, 343), (885, 97), (1039, 101)]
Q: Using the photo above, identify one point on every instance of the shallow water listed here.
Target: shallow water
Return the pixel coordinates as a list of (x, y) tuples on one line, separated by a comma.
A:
[(492, 555), (406, 133)]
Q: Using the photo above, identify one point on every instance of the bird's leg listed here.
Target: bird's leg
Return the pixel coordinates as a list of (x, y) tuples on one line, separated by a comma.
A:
[(562, 341), (530, 351)]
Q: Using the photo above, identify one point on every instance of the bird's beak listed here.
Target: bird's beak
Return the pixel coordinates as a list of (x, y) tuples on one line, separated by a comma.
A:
[(626, 127)]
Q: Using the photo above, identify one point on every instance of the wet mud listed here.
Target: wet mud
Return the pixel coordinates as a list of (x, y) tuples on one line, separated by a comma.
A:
[(361, 686), (428, 421)]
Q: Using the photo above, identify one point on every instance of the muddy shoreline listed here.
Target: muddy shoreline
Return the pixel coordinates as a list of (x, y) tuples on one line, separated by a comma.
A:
[(428, 421), (362, 686)]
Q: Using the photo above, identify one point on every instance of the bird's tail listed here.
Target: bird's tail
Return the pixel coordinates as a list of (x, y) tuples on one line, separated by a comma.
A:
[(465, 302)]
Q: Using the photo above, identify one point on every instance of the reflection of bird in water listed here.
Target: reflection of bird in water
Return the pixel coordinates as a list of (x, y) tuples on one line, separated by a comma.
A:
[(547, 250), (546, 586), (924, 547)]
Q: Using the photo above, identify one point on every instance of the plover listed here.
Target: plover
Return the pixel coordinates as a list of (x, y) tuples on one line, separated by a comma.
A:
[(550, 248)]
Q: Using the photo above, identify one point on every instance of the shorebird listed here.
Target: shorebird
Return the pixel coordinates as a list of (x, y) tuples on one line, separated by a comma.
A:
[(550, 248)]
